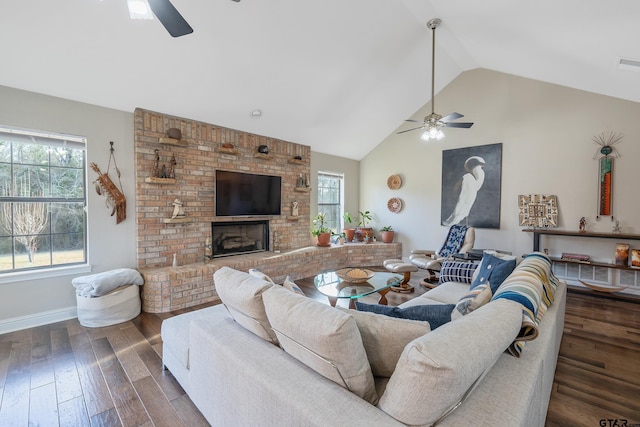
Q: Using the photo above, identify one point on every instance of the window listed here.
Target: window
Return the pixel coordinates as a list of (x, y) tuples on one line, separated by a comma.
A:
[(330, 199), (42, 200)]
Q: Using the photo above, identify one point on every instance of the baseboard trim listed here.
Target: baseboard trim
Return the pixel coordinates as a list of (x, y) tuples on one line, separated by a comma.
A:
[(38, 319)]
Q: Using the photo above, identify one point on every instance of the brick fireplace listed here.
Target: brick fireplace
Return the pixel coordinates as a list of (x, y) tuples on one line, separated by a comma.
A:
[(198, 154)]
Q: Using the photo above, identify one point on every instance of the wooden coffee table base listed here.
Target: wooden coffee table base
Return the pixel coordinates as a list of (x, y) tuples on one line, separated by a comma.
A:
[(352, 301)]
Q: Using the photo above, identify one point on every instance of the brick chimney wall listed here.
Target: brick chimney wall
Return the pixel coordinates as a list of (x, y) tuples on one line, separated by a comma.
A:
[(198, 155)]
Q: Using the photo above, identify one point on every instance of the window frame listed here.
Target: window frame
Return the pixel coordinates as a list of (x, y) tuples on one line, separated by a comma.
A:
[(52, 268), (340, 176)]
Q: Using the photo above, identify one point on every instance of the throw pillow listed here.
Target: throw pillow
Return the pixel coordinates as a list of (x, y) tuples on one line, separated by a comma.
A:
[(241, 293), (260, 275), (385, 338), (323, 338), (435, 371), (476, 298), (291, 285), (494, 270), (436, 314), (457, 271)]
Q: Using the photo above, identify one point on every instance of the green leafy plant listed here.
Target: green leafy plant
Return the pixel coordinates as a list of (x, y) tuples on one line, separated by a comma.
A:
[(387, 228), (347, 218), (319, 228), (365, 216)]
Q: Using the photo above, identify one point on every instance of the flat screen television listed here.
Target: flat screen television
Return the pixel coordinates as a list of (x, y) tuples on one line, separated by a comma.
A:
[(247, 194)]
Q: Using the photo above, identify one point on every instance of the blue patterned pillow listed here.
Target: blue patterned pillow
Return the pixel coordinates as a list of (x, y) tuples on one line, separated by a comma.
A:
[(436, 314), (453, 243), (493, 270), (457, 271)]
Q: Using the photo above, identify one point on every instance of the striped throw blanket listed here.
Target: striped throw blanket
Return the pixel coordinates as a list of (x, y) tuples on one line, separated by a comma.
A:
[(532, 285)]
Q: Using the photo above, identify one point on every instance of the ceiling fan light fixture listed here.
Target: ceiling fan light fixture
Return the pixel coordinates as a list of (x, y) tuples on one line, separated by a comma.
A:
[(432, 132), (139, 9)]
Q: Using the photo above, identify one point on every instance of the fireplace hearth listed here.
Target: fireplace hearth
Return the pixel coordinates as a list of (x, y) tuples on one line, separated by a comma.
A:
[(239, 237)]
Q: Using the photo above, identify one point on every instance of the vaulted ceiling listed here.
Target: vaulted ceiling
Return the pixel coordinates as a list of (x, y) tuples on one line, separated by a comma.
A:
[(337, 75)]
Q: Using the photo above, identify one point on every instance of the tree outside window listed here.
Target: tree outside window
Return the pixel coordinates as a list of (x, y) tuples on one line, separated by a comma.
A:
[(42, 200)]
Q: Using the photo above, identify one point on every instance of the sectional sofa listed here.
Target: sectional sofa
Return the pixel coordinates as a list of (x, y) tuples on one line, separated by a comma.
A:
[(271, 357)]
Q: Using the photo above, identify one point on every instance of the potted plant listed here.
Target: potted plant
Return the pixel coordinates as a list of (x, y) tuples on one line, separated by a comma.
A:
[(387, 234), (348, 232), (320, 231), (365, 233)]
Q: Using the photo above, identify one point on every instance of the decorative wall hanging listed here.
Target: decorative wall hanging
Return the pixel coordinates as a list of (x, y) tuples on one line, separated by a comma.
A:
[(115, 198), (394, 205), (471, 180), (605, 170), (394, 182), (538, 210)]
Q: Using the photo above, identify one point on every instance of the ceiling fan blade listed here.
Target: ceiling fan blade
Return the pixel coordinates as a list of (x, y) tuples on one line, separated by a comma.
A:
[(458, 125), (452, 116), (169, 16), (409, 130), (414, 121)]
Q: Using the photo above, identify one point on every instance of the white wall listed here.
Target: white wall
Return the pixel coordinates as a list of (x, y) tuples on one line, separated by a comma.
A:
[(546, 132), (350, 169), (109, 245)]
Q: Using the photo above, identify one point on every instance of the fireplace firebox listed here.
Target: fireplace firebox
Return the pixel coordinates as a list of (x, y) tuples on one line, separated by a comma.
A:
[(239, 237)]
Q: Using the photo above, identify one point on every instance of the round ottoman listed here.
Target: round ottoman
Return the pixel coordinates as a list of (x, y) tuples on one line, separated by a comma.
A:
[(399, 266)]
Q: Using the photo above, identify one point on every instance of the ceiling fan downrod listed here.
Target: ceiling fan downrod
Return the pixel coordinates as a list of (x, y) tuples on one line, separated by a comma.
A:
[(432, 24)]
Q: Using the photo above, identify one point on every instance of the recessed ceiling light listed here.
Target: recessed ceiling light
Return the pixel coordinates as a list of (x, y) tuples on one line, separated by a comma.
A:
[(255, 114), (629, 64)]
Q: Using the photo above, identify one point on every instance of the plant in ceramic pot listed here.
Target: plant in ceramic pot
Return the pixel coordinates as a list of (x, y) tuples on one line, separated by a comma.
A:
[(365, 233), (387, 234), (320, 231), (348, 232)]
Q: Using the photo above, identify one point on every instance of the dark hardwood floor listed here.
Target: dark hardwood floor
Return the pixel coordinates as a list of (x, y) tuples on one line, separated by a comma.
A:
[(66, 374)]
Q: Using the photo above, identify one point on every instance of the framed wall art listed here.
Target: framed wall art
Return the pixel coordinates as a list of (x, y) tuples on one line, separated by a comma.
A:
[(471, 179), (538, 210)]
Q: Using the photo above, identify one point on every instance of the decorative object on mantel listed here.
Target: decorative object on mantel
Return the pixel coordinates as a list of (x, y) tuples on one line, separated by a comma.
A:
[(394, 205), (606, 143), (394, 182), (575, 257), (622, 254), (616, 227), (538, 210), (635, 257), (263, 149), (174, 133), (603, 288), (300, 181), (115, 198), (178, 211), (294, 208), (306, 181), (582, 225), (297, 158)]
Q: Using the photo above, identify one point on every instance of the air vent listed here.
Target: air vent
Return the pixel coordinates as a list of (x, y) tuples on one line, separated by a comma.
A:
[(629, 64)]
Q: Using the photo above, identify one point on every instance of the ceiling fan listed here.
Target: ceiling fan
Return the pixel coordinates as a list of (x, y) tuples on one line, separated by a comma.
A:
[(433, 123), (166, 13)]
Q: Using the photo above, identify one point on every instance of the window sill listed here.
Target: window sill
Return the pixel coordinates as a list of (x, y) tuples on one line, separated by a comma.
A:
[(23, 276)]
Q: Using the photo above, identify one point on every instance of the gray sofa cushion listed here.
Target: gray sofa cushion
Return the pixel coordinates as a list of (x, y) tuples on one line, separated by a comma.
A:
[(436, 370), (241, 293), (323, 338)]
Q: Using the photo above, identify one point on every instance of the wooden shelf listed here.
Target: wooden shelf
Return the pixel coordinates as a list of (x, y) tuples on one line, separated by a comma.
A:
[(156, 180), (263, 156), (302, 189), (297, 162), (594, 264), (224, 150), (537, 232), (171, 141), (294, 217), (176, 220)]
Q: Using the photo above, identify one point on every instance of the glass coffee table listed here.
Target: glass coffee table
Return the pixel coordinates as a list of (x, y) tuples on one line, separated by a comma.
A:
[(333, 287)]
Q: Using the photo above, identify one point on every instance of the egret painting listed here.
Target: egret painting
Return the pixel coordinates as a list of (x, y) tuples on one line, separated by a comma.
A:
[(471, 180)]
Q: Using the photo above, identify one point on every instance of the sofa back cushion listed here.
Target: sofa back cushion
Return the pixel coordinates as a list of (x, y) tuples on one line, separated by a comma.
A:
[(324, 338), (436, 370), (241, 293), (385, 338)]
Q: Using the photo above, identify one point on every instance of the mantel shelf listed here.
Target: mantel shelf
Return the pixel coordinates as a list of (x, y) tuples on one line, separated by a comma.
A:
[(294, 217), (263, 156), (172, 141), (156, 180), (231, 151), (176, 220), (302, 189), (297, 162)]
